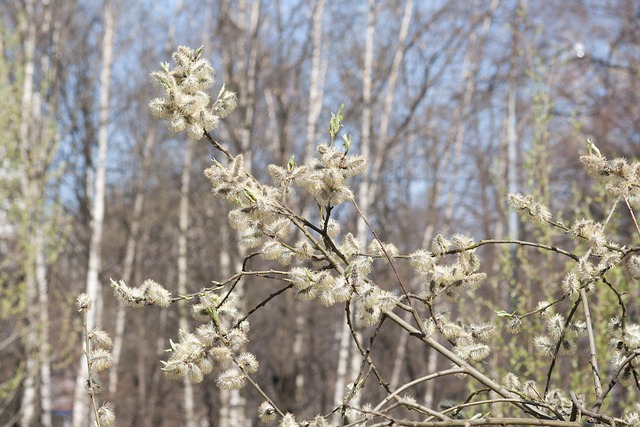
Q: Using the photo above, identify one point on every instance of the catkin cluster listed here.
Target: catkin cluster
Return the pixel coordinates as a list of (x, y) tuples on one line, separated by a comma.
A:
[(185, 105), (149, 293), (326, 177), (561, 336), (624, 346), (213, 344), (97, 350), (619, 178), (452, 279)]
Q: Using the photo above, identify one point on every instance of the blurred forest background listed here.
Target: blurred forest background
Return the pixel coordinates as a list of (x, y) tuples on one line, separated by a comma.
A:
[(454, 102)]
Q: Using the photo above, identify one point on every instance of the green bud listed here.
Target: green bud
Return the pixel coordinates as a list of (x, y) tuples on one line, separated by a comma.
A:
[(197, 53), (347, 142), (593, 149), (335, 123), (249, 195)]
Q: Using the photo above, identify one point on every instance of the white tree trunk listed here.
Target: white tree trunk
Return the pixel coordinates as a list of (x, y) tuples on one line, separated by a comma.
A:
[(316, 96), (28, 403), (512, 141), (93, 289), (344, 335), (225, 270), (233, 404), (383, 146), (364, 195), (36, 152), (41, 263), (316, 85), (183, 313), (365, 192), (44, 349), (349, 356)]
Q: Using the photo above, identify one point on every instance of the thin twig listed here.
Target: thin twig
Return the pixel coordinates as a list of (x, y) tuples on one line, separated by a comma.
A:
[(415, 314), (262, 304), (614, 380), (452, 371), (488, 421), (469, 369), (600, 417), (592, 343), (559, 343), (384, 251), (514, 242), (502, 400), (257, 387), (218, 146), (633, 217), (91, 384)]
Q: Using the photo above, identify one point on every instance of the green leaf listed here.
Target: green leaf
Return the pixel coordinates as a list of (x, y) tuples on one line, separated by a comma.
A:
[(502, 313)]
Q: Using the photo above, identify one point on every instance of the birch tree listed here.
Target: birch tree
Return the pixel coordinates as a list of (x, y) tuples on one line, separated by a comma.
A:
[(454, 88), (349, 359), (316, 97), (93, 287), (246, 25), (188, 398), (131, 247), (28, 406), (37, 145)]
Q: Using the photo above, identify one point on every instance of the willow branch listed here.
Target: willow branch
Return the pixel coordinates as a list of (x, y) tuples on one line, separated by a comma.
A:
[(593, 359)]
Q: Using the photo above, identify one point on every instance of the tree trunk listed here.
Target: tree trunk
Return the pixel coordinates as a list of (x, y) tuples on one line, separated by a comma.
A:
[(232, 403), (93, 289), (316, 85), (28, 403), (316, 96), (43, 318), (364, 195), (41, 260), (183, 313), (383, 145), (349, 356)]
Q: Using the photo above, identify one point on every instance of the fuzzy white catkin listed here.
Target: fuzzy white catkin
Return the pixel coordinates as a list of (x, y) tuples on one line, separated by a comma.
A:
[(231, 379), (633, 264), (266, 412), (106, 415), (288, 421)]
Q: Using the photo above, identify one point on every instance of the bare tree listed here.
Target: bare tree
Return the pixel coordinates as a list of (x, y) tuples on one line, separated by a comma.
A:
[(465, 102), (28, 406), (93, 288)]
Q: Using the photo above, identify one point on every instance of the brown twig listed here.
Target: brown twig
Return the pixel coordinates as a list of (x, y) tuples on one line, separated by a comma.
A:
[(559, 344), (452, 371), (614, 380), (600, 417), (593, 360), (218, 146), (262, 304), (633, 217), (514, 242)]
